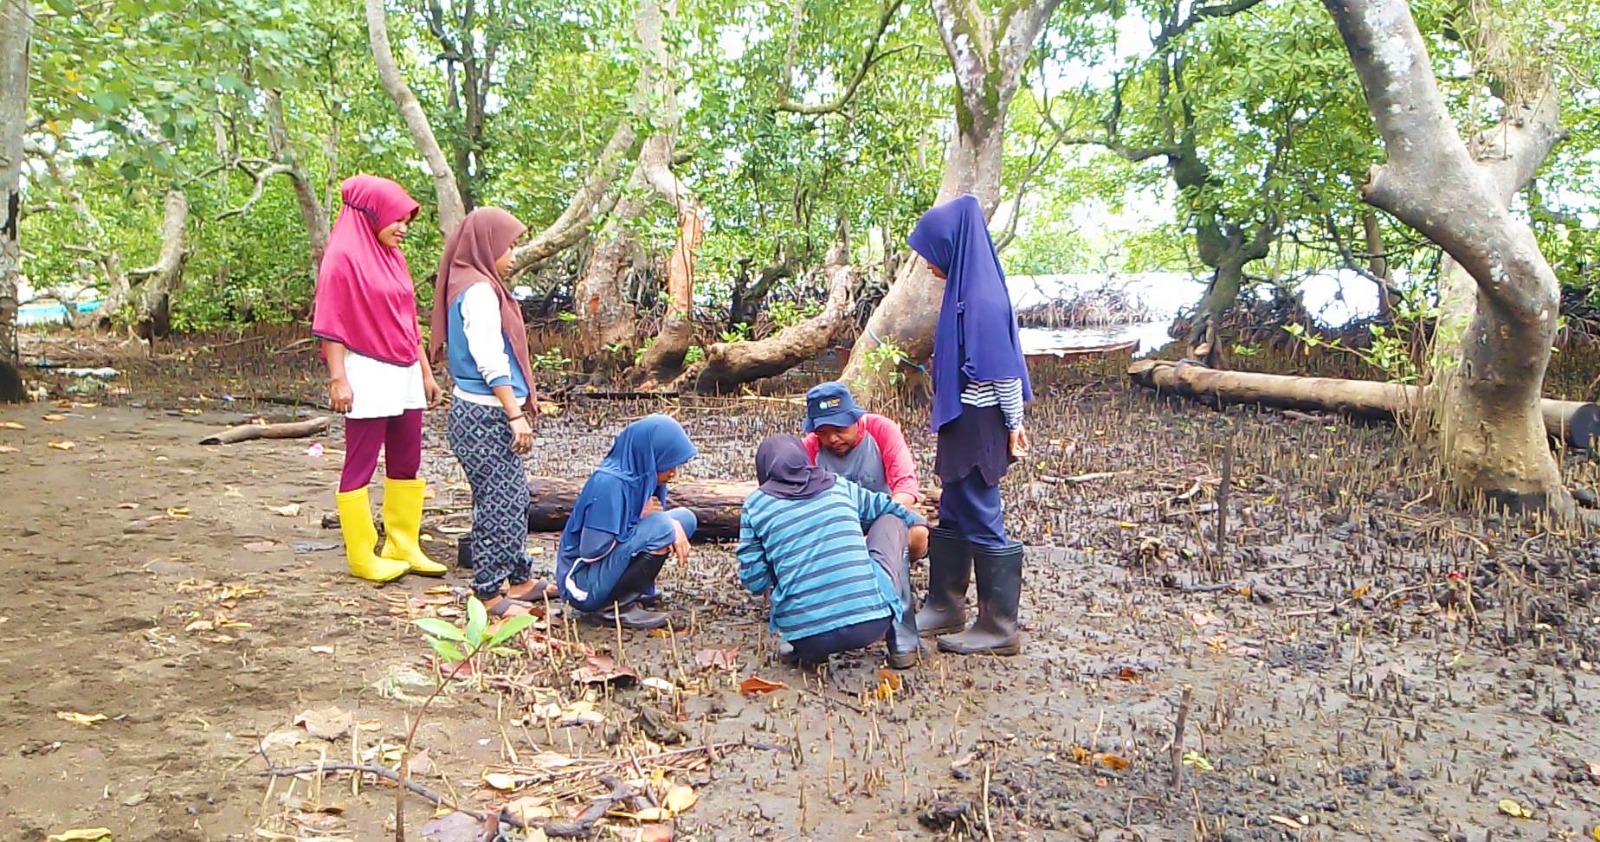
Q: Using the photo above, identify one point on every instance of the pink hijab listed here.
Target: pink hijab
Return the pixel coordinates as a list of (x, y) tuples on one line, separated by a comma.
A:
[(365, 299), (469, 255)]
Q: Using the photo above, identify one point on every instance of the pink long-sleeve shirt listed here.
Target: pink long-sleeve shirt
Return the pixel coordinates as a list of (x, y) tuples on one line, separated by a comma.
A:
[(899, 469)]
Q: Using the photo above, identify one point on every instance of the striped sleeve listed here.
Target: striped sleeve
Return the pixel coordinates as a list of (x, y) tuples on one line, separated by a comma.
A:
[(755, 573), (872, 505), (1006, 394)]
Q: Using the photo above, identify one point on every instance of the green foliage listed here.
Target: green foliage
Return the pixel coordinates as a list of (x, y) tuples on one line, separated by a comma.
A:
[(454, 644), (551, 360), (884, 362), (1392, 350)]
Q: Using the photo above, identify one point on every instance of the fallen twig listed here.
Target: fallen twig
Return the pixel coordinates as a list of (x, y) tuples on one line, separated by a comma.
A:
[(438, 799), (1177, 735)]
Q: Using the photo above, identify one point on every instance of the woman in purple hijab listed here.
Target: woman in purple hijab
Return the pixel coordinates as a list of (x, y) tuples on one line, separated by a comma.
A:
[(980, 383)]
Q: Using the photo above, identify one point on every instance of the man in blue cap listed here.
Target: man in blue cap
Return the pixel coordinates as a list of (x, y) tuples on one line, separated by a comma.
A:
[(870, 451)]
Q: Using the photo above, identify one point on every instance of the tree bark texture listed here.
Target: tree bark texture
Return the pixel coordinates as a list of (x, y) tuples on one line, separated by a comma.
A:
[(595, 198), (987, 54), (152, 297), (451, 207), (312, 213), (731, 364), (1486, 405), (659, 100), (1575, 423), (16, 35)]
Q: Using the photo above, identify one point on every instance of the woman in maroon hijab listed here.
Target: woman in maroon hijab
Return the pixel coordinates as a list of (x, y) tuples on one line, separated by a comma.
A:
[(365, 313)]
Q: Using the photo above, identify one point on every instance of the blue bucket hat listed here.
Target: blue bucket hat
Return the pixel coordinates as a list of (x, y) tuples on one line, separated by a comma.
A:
[(830, 405)]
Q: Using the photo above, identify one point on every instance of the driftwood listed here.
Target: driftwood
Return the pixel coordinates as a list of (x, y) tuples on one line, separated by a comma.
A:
[(717, 505), (251, 432), (1575, 423)]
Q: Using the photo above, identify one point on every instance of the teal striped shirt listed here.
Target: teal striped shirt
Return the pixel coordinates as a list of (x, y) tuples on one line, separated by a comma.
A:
[(812, 554)]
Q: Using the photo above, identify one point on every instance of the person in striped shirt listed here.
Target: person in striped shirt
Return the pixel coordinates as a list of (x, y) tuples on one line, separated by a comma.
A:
[(801, 538), (980, 383)]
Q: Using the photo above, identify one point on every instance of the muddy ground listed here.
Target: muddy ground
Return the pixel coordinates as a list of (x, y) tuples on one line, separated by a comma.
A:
[(1360, 663)]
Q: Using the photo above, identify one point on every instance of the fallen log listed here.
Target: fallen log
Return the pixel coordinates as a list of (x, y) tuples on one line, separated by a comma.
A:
[(717, 505), (251, 432), (1575, 423)]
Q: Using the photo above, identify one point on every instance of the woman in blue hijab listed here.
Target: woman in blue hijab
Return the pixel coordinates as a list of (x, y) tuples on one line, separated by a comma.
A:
[(980, 383), (620, 531)]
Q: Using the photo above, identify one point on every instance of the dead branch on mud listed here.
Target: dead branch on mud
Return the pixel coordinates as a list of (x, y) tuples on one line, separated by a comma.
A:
[(251, 432)]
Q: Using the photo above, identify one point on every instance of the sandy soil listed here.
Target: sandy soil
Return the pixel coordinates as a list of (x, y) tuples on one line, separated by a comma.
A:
[(1361, 665)]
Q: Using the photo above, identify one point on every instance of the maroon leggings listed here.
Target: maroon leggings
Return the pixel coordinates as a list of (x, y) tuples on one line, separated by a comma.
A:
[(398, 436)]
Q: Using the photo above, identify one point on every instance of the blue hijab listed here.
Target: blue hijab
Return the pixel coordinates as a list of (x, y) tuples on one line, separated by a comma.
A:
[(976, 338), (614, 496)]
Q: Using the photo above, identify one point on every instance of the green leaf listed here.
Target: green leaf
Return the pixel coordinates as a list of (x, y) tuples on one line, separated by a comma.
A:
[(510, 628), (441, 629), (477, 621), (447, 650)]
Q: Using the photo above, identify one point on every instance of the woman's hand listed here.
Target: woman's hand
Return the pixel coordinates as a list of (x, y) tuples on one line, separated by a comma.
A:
[(522, 435), (680, 544), (430, 388), (1018, 443), (340, 396)]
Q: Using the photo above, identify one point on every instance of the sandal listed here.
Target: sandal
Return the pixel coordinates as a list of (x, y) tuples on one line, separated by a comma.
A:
[(534, 590), (505, 606)]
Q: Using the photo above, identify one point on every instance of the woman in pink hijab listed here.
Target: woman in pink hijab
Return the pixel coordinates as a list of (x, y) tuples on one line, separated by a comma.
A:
[(479, 327), (365, 313)]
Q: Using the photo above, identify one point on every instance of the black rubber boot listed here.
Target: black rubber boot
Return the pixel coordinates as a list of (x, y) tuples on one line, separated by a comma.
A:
[(999, 573), (905, 647), (949, 570), (635, 582)]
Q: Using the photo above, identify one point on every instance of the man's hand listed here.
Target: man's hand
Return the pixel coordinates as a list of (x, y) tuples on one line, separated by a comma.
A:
[(340, 395), (651, 506), (1018, 443), (680, 544)]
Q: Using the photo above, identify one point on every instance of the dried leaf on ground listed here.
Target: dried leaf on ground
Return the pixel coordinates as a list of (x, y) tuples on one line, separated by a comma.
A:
[(755, 684), (661, 684), (530, 808), (329, 723), (63, 445), (603, 669), (287, 510), (1114, 762), (53, 417), (453, 827), (261, 546), (80, 718), (178, 512), (680, 798), (650, 814), (11, 425), (420, 763), (1515, 810), (6, 448), (282, 739), (322, 650), (500, 780), (727, 659), (89, 834), (655, 833)]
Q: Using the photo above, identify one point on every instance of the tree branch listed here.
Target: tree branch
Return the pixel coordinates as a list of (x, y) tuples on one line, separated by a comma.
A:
[(598, 190), (1221, 10), (255, 194), (786, 103), (451, 207)]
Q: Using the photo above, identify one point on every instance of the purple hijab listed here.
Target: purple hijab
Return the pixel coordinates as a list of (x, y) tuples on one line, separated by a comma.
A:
[(976, 338), (785, 471)]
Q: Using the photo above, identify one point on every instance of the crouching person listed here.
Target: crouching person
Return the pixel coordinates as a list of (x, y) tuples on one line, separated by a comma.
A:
[(620, 532), (801, 536)]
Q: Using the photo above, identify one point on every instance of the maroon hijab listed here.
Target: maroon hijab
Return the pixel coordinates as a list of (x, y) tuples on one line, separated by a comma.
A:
[(469, 256)]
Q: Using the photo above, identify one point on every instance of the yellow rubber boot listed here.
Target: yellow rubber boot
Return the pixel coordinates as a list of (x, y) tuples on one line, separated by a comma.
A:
[(402, 522), (361, 537)]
